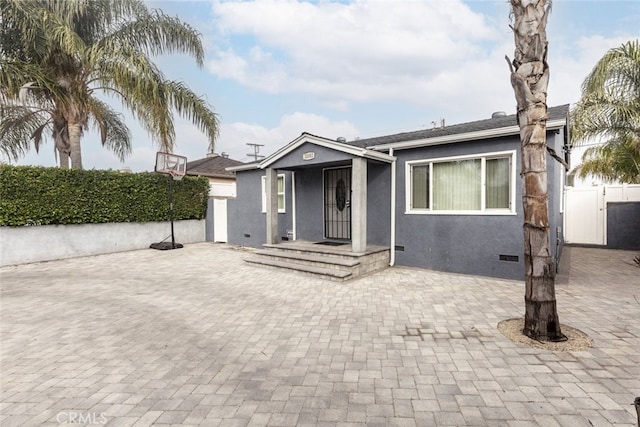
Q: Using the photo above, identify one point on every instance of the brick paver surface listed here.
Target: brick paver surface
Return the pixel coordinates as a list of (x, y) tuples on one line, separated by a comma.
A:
[(197, 337)]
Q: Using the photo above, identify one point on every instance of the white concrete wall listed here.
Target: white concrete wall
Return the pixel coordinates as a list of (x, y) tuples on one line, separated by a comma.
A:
[(20, 245), (222, 188)]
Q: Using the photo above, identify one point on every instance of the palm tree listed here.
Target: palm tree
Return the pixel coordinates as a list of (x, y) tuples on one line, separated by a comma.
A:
[(530, 78), (617, 160), (60, 55), (609, 110)]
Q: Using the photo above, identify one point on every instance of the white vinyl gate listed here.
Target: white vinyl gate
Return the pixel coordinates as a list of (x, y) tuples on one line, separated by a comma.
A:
[(585, 216)]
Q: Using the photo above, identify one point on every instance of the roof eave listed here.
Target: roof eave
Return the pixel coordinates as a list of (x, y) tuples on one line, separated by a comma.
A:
[(244, 167), (327, 143), (212, 175), (462, 137)]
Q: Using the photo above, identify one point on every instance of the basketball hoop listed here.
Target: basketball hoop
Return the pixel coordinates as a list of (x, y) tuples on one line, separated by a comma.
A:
[(176, 176), (176, 167), (171, 164)]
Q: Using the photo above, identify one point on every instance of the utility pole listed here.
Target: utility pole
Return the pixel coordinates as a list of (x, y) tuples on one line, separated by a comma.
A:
[(256, 149)]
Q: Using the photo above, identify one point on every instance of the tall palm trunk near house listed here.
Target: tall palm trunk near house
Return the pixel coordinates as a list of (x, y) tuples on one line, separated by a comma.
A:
[(530, 78)]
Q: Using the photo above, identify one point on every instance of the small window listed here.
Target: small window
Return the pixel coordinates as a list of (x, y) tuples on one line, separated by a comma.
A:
[(420, 182), (281, 194), (465, 184)]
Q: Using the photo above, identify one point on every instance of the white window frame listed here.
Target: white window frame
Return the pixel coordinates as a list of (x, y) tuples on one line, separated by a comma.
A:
[(283, 193), (511, 154)]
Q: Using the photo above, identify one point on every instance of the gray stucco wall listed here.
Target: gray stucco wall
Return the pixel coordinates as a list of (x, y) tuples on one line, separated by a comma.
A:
[(378, 203), (555, 174), (623, 225), (309, 204), (469, 244), (246, 225), (322, 157), (209, 220), (246, 221)]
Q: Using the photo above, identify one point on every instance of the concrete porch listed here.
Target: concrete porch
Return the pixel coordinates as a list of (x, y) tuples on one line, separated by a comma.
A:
[(330, 260)]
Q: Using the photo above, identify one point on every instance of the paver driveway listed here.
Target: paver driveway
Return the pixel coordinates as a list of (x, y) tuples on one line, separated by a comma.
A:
[(197, 337)]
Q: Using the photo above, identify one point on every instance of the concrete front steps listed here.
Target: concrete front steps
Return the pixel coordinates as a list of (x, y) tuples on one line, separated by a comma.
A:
[(336, 263)]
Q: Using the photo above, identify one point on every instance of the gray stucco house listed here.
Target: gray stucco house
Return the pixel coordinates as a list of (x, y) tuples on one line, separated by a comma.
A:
[(448, 198)]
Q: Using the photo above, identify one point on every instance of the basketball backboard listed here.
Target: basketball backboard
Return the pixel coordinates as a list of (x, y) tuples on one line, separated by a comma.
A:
[(171, 164)]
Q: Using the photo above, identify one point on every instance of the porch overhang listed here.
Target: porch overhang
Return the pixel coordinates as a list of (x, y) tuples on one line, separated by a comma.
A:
[(307, 138)]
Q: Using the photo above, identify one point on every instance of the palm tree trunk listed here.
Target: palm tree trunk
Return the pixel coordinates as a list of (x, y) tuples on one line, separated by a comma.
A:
[(63, 158), (61, 139), (530, 78), (75, 134)]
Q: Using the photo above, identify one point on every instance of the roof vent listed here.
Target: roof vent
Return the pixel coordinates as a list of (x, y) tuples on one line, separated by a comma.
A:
[(341, 139), (498, 114)]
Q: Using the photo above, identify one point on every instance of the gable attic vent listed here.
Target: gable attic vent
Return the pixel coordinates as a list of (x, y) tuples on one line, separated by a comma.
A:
[(498, 114)]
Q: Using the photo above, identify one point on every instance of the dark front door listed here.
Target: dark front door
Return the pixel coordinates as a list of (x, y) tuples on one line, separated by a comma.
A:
[(337, 203)]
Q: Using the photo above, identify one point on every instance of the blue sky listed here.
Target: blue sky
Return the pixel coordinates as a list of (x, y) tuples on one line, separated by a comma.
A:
[(277, 68)]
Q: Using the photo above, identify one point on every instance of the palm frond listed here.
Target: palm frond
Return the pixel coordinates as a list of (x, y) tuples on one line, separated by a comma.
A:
[(617, 160), (114, 133), (156, 34), (609, 109), (617, 72), (18, 127), (195, 109)]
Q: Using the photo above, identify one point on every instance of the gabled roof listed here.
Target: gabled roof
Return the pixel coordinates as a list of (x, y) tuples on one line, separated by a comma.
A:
[(480, 129), (213, 166), (307, 138)]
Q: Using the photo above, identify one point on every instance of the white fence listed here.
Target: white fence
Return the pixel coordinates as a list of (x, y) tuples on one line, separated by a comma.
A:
[(20, 245), (585, 217)]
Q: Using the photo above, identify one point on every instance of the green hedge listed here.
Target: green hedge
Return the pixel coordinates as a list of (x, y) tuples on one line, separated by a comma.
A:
[(39, 196)]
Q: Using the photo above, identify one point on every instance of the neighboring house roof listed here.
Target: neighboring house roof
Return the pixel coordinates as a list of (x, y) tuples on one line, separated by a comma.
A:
[(213, 166), (480, 129)]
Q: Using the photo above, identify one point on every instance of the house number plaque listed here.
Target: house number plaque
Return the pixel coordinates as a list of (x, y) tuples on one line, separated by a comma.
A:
[(309, 155)]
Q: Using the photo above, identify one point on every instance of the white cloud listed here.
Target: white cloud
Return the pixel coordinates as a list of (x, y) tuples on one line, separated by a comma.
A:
[(357, 52), (235, 136), (570, 64), (432, 55)]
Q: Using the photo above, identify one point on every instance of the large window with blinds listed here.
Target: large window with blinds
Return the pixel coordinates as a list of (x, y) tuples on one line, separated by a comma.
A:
[(463, 184)]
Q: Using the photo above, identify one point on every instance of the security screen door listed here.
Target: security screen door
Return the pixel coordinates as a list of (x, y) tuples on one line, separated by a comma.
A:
[(337, 203)]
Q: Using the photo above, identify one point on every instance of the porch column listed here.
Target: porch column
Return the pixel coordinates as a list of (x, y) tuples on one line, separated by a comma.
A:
[(359, 205), (271, 185)]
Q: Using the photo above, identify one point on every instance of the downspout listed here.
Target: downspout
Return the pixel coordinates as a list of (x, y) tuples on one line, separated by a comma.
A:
[(392, 257), (293, 204)]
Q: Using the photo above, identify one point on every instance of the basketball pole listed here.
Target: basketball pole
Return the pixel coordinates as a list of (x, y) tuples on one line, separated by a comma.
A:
[(173, 239), (175, 167)]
